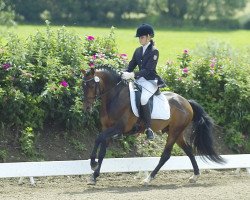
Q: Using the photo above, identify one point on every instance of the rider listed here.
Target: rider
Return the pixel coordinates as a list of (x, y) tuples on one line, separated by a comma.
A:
[(146, 58)]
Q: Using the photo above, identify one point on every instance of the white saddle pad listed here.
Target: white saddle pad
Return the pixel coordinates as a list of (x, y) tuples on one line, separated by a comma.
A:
[(161, 109)]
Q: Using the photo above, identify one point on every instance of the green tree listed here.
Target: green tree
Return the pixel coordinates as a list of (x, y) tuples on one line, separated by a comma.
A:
[(213, 9), (7, 15), (177, 8)]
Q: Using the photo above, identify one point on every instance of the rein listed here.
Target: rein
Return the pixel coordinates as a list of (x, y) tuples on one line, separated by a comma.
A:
[(97, 87)]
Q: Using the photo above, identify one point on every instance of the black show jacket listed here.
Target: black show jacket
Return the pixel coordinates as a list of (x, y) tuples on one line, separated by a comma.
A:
[(146, 63)]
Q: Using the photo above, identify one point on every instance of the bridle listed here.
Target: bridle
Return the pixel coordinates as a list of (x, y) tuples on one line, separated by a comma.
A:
[(98, 92), (97, 88)]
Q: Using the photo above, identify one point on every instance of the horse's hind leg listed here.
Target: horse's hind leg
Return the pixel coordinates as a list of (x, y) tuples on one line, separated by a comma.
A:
[(172, 136), (188, 150)]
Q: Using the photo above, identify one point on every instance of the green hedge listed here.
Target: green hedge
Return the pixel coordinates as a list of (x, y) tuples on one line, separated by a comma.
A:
[(219, 80), (41, 78)]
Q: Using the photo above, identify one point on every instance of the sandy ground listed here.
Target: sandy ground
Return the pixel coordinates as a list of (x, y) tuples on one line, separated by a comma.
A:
[(221, 184)]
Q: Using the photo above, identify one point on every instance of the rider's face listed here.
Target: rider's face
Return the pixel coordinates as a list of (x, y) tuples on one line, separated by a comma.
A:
[(144, 40)]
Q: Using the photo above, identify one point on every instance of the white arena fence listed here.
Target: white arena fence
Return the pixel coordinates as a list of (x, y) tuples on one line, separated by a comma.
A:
[(81, 167)]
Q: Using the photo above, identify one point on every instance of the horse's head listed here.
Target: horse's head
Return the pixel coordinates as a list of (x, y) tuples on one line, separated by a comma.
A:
[(99, 82), (91, 88)]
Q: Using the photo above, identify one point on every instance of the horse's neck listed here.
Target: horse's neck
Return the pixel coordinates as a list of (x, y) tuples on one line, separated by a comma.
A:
[(111, 91)]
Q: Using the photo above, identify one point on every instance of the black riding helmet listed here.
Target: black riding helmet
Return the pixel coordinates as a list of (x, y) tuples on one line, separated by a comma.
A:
[(144, 29)]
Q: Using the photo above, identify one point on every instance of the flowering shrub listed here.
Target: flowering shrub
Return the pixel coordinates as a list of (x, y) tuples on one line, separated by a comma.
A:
[(103, 51), (41, 79), (219, 81)]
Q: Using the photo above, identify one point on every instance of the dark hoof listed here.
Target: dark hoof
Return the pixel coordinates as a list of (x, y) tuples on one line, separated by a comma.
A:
[(150, 134), (94, 165)]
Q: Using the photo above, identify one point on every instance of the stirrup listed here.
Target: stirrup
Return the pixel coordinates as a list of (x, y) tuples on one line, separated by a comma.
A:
[(150, 134)]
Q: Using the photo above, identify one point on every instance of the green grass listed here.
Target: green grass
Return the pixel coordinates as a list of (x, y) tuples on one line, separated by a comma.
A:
[(170, 42)]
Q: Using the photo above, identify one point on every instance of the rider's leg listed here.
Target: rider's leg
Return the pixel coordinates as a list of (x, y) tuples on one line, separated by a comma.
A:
[(146, 115), (148, 89)]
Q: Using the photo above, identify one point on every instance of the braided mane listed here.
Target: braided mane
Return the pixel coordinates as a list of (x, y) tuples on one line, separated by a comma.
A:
[(108, 68), (113, 71)]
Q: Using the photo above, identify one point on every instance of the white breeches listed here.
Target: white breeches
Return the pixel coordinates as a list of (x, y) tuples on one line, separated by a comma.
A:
[(149, 87)]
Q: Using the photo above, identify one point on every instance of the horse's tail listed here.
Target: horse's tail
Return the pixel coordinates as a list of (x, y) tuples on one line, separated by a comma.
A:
[(201, 137)]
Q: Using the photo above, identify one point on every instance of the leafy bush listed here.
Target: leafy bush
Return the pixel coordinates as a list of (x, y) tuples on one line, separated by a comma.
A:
[(219, 80), (41, 78), (3, 154), (27, 140)]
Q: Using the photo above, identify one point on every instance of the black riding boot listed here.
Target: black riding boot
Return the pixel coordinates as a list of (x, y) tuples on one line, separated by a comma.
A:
[(147, 120)]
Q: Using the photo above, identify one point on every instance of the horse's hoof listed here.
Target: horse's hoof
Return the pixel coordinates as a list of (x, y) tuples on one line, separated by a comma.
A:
[(193, 178), (147, 180), (141, 174), (94, 166), (91, 181)]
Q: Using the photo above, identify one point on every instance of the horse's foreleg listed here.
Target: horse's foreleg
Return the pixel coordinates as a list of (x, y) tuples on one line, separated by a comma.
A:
[(101, 155), (102, 141), (93, 163), (96, 166)]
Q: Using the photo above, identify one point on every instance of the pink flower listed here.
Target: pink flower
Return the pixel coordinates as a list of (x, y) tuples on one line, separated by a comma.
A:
[(213, 62), (64, 83), (100, 55), (90, 38), (91, 65), (185, 70), (123, 56), (185, 51), (94, 57), (212, 65), (6, 66)]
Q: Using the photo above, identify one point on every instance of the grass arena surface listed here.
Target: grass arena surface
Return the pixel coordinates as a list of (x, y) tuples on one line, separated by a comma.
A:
[(212, 184), (170, 42)]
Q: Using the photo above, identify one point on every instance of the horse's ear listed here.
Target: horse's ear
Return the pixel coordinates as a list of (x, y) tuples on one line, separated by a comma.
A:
[(92, 70)]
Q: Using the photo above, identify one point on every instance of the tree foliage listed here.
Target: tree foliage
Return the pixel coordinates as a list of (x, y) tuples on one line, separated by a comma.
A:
[(98, 12), (7, 15), (213, 9)]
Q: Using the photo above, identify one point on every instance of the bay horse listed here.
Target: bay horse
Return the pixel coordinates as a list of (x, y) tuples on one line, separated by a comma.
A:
[(104, 83)]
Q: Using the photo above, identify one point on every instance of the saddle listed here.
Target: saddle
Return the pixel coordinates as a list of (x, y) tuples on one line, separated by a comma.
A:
[(159, 104), (138, 93)]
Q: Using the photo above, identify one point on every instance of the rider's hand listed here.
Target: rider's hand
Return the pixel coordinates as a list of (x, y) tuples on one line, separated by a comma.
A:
[(128, 75)]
